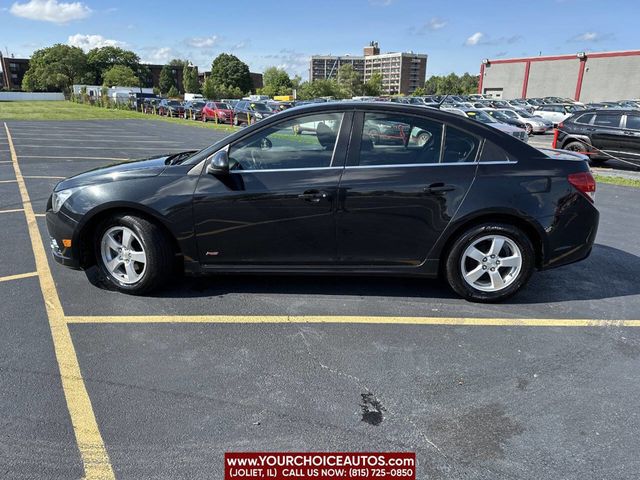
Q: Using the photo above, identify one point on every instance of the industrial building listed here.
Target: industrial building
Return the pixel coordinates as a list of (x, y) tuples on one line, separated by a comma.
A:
[(402, 72), (584, 76)]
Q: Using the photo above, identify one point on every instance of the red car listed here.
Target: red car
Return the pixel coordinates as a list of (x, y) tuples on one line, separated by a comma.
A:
[(217, 110)]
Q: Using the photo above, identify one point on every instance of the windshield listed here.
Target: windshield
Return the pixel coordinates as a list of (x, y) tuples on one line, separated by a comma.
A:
[(173, 103), (222, 106), (574, 108), (509, 113), (197, 104), (499, 116), (525, 114), (260, 107), (480, 116)]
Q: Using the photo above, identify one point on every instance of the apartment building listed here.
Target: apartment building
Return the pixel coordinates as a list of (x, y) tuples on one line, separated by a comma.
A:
[(402, 72)]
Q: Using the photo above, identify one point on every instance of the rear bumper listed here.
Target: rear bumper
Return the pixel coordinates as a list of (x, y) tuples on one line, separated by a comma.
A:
[(61, 227), (570, 234)]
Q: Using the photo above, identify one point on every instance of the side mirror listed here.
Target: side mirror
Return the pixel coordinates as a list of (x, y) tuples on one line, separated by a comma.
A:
[(218, 163)]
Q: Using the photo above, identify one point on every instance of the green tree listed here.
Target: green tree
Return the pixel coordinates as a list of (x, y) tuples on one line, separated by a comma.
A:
[(276, 81), (119, 75), (349, 81), (451, 84), (173, 92), (229, 70), (319, 88), (213, 91), (373, 86), (166, 81), (101, 59), (55, 68), (178, 62), (190, 80), (419, 92)]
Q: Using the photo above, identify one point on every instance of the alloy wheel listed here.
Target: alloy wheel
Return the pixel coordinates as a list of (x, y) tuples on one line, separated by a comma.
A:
[(491, 263), (123, 254)]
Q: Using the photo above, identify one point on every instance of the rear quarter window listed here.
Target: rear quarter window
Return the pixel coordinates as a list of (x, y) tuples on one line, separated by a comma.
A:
[(493, 153), (584, 119)]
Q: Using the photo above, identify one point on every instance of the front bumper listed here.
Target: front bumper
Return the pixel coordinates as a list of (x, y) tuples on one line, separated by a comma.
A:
[(60, 228)]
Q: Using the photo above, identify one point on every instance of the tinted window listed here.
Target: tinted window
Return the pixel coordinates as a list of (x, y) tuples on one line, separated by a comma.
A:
[(459, 146), (399, 140), (301, 142), (493, 153), (585, 119), (633, 122), (607, 119)]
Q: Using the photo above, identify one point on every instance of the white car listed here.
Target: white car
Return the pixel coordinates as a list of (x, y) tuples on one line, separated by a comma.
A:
[(483, 117), (557, 112), (533, 123)]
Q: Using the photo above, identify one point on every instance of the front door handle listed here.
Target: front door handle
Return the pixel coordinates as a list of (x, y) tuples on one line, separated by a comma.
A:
[(436, 188), (314, 196)]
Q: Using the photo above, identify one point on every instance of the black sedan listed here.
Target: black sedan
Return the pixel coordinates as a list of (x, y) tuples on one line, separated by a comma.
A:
[(170, 108), (308, 191)]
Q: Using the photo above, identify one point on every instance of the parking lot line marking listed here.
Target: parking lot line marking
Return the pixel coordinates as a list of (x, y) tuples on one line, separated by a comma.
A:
[(8, 181), (86, 147), (8, 278), (75, 158), (13, 210), (40, 215), (92, 449), (43, 176), (240, 319)]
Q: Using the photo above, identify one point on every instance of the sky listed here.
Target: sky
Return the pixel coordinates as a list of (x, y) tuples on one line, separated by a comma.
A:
[(455, 34)]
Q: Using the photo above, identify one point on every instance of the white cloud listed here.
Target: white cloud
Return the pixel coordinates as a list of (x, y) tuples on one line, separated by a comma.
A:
[(591, 37), (50, 11), (87, 42), (160, 55), (474, 39), (436, 24), (203, 42), (295, 63)]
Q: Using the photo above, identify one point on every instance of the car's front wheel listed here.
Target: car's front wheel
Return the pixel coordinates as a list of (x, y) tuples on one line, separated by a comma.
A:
[(490, 262), (133, 254)]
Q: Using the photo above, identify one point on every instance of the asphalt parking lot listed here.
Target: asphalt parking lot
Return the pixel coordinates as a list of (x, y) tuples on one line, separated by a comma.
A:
[(98, 383)]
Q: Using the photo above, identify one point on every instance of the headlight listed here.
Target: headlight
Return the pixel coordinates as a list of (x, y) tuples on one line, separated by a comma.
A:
[(58, 198)]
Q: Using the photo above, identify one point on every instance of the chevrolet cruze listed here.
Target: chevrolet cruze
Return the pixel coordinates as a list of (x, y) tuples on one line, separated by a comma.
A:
[(309, 191)]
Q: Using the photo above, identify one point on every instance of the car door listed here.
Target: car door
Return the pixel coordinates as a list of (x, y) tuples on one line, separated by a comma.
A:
[(276, 205), (607, 134), (399, 191), (631, 138)]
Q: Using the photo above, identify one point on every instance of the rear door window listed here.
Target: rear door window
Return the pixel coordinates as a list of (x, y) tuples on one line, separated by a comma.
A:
[(607, 119), (633, 122), (459, 146), (395, 139)]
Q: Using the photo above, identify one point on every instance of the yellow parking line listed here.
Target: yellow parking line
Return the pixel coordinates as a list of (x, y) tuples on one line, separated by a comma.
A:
[(44, 176), (13, 210), (495, 322), (92, 449), (8, 278)]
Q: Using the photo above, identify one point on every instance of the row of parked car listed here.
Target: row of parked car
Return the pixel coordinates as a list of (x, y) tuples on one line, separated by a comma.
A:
[(233, 112)]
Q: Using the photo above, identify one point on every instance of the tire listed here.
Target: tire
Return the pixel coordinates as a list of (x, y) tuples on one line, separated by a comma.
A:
[(575, 146), (529, 129), (374, 135), (131, 276), (481, 285)]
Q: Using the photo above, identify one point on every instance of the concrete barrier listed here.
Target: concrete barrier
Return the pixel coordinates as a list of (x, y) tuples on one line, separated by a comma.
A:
[(30, 96)]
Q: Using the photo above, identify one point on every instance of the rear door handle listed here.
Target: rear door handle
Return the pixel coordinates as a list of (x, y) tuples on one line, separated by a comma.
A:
[(436, 188), (314, 196)]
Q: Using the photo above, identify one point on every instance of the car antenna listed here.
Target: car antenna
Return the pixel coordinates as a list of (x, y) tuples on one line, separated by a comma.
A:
[(442, 101)]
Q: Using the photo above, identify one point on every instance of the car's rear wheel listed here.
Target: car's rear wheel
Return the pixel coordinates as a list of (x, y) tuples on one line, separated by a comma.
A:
[(133, 254), (490, 262), (576, 146)]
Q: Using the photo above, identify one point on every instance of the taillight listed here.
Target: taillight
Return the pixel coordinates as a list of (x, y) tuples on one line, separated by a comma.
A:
[(584, 183), (561, 125)]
